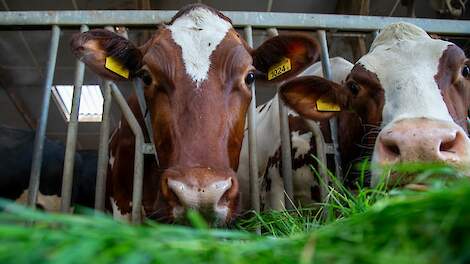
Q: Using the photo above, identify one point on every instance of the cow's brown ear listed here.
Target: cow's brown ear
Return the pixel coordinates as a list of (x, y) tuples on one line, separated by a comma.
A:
[(300, 49), (107, 54), (314, 97)]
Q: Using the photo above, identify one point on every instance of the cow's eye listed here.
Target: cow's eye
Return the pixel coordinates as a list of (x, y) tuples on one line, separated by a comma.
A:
[(466, 71), (250, 78), (145, 76), (354, 88)]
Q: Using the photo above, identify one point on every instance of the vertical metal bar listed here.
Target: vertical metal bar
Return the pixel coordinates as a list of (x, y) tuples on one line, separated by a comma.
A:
[(139, 91), (69, 159), (138, 156), (100, 194), (41, 129), (285, 147), (325, 60), (254, 188)]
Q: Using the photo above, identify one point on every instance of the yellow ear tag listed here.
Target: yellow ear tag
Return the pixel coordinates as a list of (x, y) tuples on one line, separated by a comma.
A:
[(115, 66), (279, 69), (326, 105)]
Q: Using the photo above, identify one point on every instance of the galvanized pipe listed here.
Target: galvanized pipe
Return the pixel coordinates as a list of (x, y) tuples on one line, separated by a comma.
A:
[(69, 159), (139, 91), (41, 129), (254, 186), (138, 155), (240, 19), (286, 150), (321, 156), (326, 67), (103, 155)]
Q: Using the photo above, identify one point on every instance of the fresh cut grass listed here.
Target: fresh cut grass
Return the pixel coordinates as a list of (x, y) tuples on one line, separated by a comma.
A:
[(361, 226)]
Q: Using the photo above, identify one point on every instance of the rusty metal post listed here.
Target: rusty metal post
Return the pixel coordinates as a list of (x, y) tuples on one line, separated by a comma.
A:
[(138, 155), (69, 159), (41, 129)]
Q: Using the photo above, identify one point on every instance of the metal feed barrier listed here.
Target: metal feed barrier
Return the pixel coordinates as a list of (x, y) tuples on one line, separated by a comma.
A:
[(55, 20)]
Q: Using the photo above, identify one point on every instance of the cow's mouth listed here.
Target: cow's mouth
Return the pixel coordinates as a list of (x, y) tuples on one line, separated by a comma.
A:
[(214, 217), (419, 177)]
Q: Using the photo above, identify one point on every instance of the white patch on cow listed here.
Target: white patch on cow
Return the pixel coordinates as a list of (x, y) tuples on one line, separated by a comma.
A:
[(198, 33), (303, 180), (300, 143), (117, 213), (50, 203), (276, 193), (405, 60), (340, 69)]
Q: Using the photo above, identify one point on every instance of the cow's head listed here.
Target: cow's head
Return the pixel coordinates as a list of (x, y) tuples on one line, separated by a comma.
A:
[(198, 72), (414, 88)]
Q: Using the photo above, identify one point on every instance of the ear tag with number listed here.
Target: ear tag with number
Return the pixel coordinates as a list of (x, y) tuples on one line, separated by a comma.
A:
[(279, 69), (326, 105), (115, 66)]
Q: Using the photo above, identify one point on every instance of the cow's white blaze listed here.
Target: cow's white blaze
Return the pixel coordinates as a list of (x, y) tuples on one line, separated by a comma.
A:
[(198, 33), (405, 60)]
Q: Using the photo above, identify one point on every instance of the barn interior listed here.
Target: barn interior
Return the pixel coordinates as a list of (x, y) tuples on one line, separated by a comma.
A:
[(24, 53)]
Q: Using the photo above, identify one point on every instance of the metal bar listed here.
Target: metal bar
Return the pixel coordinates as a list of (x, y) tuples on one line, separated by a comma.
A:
[(254, 186), (139, 91), (286, 161), (41, 129), (100, 194), (326, 67), (321, 156), (138, 156), (69, 159), (241, 19)]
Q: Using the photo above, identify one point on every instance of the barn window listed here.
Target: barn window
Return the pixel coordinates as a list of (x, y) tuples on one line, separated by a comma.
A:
[(91, 102)]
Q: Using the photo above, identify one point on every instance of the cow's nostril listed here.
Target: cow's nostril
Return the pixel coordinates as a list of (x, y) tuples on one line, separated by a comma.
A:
[(392, 149), (448, 145)]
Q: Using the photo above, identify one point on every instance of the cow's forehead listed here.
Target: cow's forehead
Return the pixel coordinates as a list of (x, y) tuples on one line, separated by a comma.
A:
[(405, 60), (198, 33)]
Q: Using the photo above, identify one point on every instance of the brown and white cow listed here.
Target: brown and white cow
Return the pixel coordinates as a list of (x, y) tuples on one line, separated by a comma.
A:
[(306, 187), (198, 72), (408, 96)]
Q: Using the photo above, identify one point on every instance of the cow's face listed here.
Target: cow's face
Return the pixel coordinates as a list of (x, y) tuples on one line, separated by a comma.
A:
[(415, 89), (198, 73)]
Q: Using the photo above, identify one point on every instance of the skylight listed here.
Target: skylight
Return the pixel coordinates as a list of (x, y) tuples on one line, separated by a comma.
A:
[(91, 102)]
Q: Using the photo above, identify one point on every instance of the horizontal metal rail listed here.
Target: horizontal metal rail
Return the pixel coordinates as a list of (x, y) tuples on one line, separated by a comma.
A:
[(241, 19)]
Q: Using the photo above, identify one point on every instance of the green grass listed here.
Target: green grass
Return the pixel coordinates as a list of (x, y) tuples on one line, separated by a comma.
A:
[(364, 226)]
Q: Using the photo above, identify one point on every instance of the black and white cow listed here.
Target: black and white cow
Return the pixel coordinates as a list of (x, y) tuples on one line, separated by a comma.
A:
[(306, 189)]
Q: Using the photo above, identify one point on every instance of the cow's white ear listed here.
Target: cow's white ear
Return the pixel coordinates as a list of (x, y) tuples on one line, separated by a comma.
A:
[(285, 56), (314, 97)]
